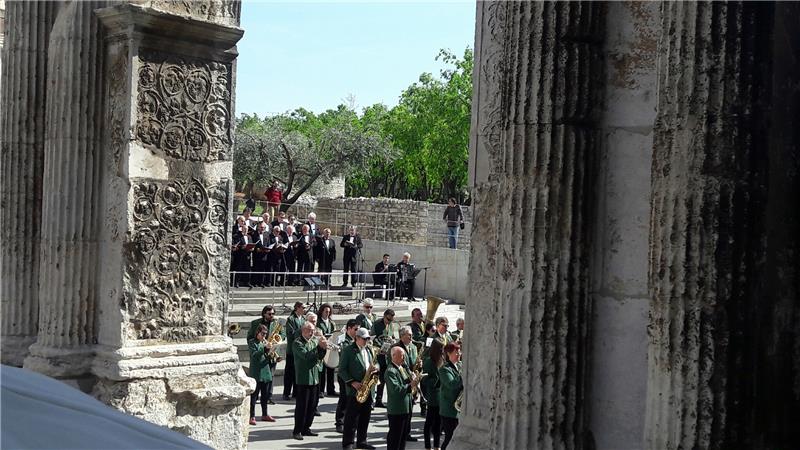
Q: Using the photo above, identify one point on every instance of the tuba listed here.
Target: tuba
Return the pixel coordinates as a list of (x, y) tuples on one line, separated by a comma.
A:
[(369, 381), (433, 305)]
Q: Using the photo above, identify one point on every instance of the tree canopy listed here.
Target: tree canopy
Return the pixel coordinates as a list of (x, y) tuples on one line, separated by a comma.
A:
[(415, 150)]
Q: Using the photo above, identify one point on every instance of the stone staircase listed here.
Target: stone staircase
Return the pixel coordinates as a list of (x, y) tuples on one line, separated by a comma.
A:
[(245, 306)]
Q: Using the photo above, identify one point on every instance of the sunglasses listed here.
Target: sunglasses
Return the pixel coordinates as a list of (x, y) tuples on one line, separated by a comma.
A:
[(368, 307)]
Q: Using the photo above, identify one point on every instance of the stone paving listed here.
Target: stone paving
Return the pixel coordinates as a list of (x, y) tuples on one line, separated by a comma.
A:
[(278, 435)]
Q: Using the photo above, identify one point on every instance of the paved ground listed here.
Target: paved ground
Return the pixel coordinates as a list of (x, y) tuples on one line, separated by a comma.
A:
[(278, 435)]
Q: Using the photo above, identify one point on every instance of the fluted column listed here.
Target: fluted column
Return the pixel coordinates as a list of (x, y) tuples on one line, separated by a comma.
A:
[(23, 133), (68, 253), (541, 142)]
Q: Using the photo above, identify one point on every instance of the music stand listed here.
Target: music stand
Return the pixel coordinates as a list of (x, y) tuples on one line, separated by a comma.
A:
[(312, 284)]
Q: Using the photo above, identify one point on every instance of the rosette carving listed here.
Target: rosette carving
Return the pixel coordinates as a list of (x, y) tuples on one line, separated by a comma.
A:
[(177, 232), (184, 107)]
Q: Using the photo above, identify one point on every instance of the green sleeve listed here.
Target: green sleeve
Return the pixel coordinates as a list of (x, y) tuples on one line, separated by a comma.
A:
[(251, 333), (395, 384), (301, 352), (344, 366), (256, 349), (449, 383)]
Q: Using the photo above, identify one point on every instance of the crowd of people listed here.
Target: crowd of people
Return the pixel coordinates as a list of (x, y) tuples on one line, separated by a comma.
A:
[(267, 251), (415, 364)]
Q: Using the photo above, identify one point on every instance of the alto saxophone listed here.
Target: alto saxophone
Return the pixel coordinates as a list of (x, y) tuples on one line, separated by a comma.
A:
[(369, 381)]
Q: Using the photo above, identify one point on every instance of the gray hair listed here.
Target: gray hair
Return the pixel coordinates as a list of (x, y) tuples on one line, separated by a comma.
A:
[(441, 320), (459, 320), (312, 215), (407, 254), (406, 330), (310, 315), (307, 325)]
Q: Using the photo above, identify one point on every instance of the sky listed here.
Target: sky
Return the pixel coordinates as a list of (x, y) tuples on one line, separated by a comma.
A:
[(315, 54)]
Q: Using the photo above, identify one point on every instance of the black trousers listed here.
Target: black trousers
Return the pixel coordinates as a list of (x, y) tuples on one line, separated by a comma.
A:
[(341, 405), (356, 421), (326, 378), (396, 439), (349, 265), (288, 376), (272, 367), (449, 425), (433, 427), (306, 404), (405, 290), (262, 387)]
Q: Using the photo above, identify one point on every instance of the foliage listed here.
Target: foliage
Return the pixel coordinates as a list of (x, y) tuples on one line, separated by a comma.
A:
[(430, 129), (301, 147), (416, 150)]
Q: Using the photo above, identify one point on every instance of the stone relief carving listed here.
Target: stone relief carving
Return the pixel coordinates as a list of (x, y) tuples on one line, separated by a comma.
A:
[(118, 100), (178, 230), (206, 10), (184, 107), (493, 70)]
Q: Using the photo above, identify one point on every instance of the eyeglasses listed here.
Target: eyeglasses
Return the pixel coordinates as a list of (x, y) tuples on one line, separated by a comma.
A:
[(367, 306)]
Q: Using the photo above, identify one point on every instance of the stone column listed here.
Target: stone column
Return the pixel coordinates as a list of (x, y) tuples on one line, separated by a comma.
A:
[(167, 192), (539, 77), (724, 334), (23, 135), (68, 253)]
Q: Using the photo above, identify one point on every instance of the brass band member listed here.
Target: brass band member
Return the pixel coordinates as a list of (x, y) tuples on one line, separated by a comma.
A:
[(260, 362), (308, 353), (341, 405), (451, 386), (417, 326), (387, 330), (327, 326), (366, 318), (399, 383), (293, 324), (411, 356), (441, 330), (268, 320), (430, 390), (355, 361), (458, 335)]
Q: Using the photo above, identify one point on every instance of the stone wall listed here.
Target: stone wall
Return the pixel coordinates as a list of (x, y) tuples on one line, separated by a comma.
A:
[(391, 220)]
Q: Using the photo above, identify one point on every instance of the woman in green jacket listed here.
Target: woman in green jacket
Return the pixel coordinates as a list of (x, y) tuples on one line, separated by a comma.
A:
[(430, 389), (451, 386), (326, 324), (261, 371)]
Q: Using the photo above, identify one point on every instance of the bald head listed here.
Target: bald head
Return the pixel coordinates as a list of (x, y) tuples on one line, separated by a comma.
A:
[(398, 355)]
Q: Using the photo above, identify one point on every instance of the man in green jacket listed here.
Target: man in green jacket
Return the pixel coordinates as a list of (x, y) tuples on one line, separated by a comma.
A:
[(350, 334), (356, 359), (384, 330), (293, 324), (366, 318), (308, 354), (399, 383), (410, 361)]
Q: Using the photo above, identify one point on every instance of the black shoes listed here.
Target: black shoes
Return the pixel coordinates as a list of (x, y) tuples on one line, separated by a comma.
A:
[(270, 402), (339, 429), (333, 394), (309, 433), (365, 446), (317, 413), (321, 394), (411, 439), (286, 398), (298, 436)]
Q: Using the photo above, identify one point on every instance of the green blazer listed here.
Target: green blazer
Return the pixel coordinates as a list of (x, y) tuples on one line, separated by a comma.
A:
[(326, 329), (398, 390), (259, 362), (379, 328), (251, 333), (451, 386), (366, 321), (352, 367), (307, 355), (417, 332), (430, 384), (348, 341), (293, 324), (410, 355)]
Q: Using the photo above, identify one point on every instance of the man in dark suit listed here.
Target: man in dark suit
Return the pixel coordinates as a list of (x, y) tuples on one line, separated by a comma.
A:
[(304, 253), (352, 244), (277, 262), (327, 253), (261, 257)]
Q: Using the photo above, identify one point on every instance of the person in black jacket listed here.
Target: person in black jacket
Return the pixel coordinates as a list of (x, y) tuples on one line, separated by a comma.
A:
[(304, 253), (277, 256), (352, 245), (327, 251), (454, 219), (261, 256)]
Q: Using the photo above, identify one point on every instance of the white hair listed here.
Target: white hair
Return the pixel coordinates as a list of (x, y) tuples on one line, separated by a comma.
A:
[(406, 330), (309, 316), (312, 215), (459, 320), (408, 255)]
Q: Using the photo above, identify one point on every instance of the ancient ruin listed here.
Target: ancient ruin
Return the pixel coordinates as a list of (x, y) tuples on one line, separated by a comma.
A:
[(645, 273)]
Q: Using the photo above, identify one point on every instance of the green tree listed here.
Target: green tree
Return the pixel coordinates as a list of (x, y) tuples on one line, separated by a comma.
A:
[(430, 129), (301, 148)]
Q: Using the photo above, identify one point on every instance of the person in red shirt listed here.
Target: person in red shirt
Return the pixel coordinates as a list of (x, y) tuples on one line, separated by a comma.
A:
[(274, 196)]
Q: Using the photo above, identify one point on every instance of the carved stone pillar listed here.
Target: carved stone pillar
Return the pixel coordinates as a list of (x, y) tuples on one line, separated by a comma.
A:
[(166, 175), (724, 334), (23, 134), (539, 74)]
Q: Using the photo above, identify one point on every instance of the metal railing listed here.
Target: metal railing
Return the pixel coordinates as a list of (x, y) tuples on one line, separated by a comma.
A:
[(318, 287)]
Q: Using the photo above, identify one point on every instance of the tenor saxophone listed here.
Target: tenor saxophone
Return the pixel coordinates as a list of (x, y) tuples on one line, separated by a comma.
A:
[(369, 381)]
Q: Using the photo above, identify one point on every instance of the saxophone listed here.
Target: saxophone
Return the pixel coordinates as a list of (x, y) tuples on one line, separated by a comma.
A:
[(369, 381), (275, 338)]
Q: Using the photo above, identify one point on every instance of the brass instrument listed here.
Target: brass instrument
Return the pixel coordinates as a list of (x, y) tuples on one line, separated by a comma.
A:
[(459, 399), (234, 329), (415, 388), (274, 339), (370, 379), (433, 305)]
